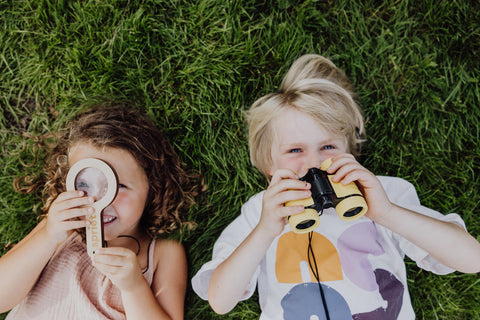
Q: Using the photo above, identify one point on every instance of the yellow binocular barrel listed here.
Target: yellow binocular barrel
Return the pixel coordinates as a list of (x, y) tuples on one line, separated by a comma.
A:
[(347, 200)]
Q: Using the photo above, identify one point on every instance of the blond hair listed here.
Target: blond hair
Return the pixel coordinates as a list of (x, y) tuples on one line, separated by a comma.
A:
[(315, 86)]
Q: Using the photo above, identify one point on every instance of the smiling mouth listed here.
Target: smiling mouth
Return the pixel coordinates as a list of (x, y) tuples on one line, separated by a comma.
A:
[(108, 219)]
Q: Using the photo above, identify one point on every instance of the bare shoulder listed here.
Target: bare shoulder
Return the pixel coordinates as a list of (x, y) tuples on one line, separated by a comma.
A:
[(168, 250), (170, 257), (170, 275)]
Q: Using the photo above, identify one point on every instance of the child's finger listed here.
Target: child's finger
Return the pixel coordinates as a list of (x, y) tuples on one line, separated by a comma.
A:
[(109, 260), (339, 161), (115, 256), (345, 173), (115, 251), (291, 210), (108, 270), (60, 207), (292, 195), (76, 213), (70, 215), (288, 184), (74, 203), (75, 224), (123, 271), (115, 259), (69, 195), (282, 174)]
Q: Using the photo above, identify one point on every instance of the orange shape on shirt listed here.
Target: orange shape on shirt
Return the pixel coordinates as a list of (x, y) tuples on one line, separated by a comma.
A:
[(292, 250)]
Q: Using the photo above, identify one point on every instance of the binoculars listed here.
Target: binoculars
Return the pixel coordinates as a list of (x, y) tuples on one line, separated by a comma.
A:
[(347, 200)]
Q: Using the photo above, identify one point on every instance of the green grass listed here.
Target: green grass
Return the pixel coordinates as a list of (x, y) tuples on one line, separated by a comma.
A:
[(195, 65)]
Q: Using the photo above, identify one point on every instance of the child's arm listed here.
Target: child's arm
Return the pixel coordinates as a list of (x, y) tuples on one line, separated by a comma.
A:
[(165, 299), (231, 278), (445, 242), (21, 266)]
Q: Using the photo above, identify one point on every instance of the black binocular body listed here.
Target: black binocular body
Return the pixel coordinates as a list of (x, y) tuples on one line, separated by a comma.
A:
[(347, 200)]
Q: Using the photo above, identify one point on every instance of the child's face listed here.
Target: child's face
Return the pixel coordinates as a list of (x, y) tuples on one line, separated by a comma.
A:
[(301, 143), (123, 215)]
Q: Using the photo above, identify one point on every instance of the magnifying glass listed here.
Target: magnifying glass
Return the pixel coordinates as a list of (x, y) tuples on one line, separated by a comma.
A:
[(97, 179)]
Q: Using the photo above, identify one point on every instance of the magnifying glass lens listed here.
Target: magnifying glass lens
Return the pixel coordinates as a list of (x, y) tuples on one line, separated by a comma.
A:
[(93, 182)]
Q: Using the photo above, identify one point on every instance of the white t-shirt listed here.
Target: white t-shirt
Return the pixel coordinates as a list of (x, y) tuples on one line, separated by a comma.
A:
[(360, 264)]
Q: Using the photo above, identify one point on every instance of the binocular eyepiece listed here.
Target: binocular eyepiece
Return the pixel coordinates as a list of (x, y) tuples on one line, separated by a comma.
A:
[(347, 200)]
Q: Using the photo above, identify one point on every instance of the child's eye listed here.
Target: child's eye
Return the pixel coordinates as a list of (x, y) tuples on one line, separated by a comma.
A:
[(121, 185), (81, 185), (296, 150), (328, 147)]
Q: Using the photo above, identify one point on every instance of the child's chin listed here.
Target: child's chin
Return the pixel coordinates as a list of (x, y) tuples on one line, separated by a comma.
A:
[(108, 237)]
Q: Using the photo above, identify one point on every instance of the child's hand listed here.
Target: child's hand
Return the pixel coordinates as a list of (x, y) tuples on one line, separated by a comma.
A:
[(347, 169), (120, 265), (283, 187), (64, 212)]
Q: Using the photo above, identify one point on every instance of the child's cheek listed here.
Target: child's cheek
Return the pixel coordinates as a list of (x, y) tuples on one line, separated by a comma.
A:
[(296, 165), (121, 198), (331, 153)]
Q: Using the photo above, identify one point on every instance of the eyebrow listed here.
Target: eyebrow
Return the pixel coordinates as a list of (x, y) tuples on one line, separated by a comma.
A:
[(324, 142)]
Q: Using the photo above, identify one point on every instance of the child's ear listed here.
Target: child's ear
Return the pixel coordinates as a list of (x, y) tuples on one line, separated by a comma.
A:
[(270, 173)]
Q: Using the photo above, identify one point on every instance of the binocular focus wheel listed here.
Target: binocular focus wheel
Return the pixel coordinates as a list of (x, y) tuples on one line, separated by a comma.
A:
[(351, 208), (304, 222)]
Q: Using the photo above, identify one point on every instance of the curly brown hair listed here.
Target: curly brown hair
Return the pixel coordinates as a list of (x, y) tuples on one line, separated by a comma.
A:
[(117, 125)]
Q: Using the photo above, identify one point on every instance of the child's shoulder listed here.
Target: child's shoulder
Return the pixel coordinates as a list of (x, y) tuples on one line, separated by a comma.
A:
[(168, 252), (399, 189), (255, 199), (169, 264), (395, 183)]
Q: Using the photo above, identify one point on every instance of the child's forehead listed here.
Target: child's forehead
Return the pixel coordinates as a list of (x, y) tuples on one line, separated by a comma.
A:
[(86, 146), (293, 126), (290, 118), (121, 160), (82, 150)]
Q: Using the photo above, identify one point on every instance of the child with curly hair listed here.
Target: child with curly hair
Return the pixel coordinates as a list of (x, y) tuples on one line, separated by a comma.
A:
[(139, 273)]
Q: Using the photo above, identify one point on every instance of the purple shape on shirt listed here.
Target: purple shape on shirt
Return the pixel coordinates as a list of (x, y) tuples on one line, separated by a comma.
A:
[(391, 290), (354, 246), (377, 314)]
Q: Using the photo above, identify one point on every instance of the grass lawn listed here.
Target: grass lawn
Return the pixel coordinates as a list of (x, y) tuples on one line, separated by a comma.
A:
[(195, 65)]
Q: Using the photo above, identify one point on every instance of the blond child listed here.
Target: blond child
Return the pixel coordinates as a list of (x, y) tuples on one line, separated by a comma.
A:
[(139, 274), (342, 269)]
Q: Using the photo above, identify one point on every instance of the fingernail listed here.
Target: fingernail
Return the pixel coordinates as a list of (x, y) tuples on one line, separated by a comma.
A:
[(296, 174)]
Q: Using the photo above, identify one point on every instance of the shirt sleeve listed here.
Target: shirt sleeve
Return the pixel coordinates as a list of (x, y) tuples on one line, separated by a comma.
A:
[(403, 193), (233, 235)]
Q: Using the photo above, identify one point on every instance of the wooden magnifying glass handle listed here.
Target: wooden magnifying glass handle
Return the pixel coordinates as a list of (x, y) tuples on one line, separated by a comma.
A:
[(94, 231)]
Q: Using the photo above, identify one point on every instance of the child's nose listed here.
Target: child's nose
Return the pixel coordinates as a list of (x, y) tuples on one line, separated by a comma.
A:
[(313, 161)]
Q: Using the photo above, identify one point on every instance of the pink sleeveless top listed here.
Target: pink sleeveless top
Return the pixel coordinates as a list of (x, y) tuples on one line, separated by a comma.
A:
[(71, 288)]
